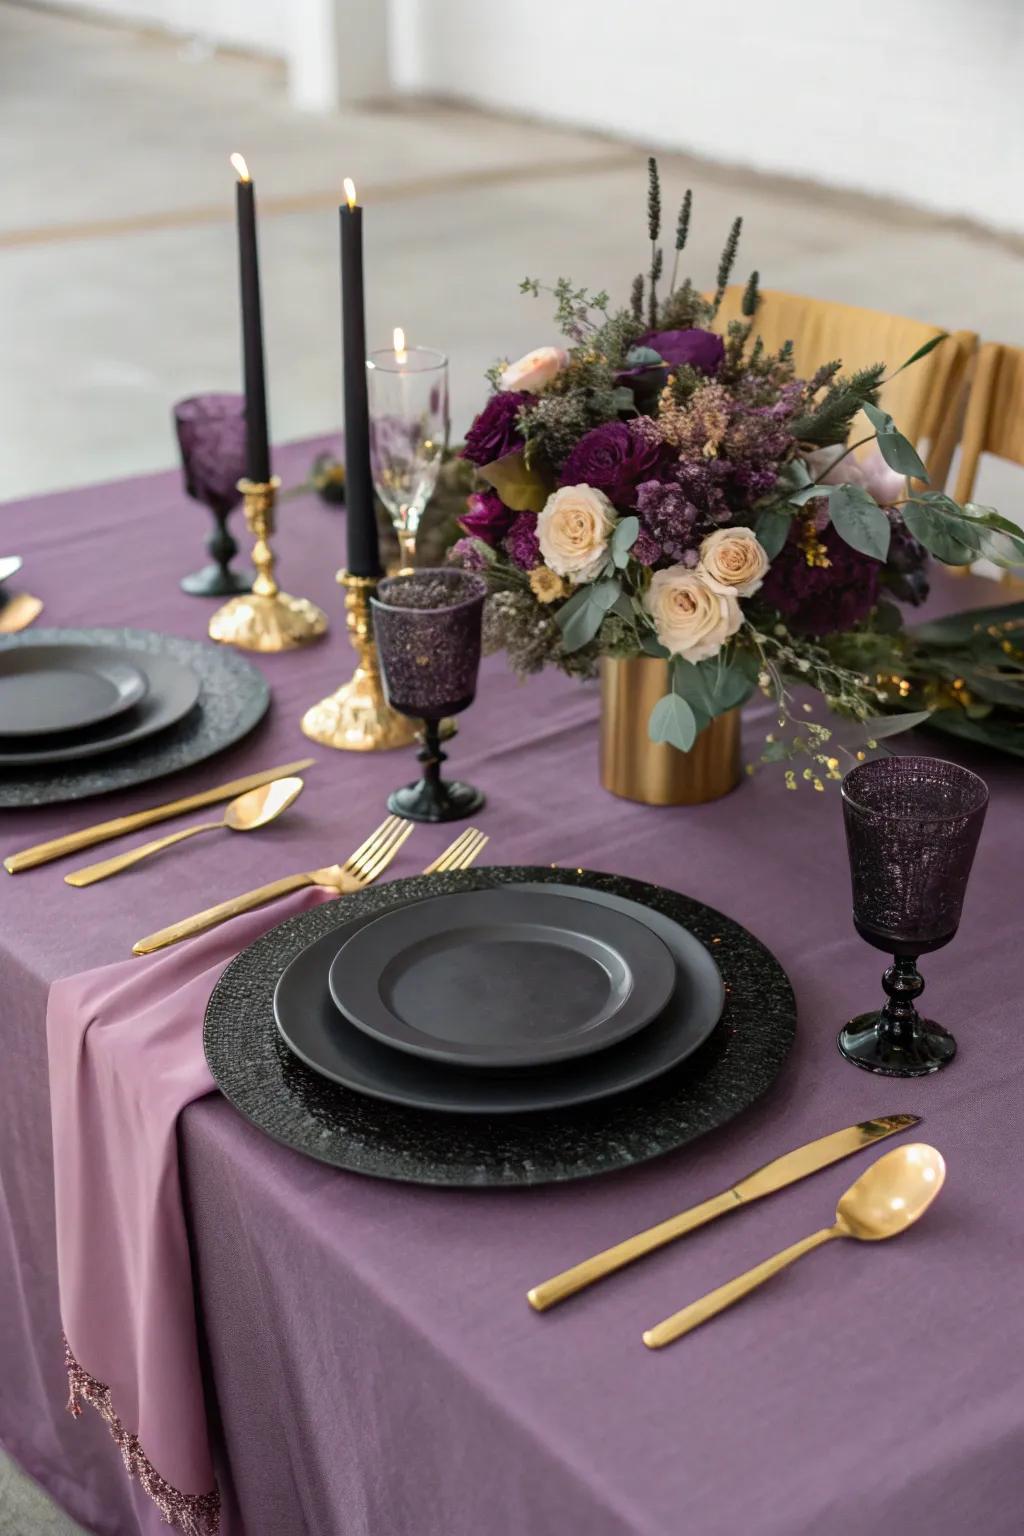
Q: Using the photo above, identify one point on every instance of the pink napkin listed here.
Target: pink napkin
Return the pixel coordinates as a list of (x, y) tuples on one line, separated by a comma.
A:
[(125, 1057)]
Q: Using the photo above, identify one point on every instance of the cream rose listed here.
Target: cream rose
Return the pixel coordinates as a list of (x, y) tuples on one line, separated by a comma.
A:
[(535, 370), (732, 560), (690, 619), (573, 531)]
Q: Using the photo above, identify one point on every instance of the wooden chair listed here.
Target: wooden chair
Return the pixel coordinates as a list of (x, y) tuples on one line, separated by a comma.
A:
[(926, 401), (994, 420)]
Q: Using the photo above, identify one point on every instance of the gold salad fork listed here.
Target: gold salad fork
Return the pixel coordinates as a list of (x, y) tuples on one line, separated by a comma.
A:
[(360, 869), (460, 854)]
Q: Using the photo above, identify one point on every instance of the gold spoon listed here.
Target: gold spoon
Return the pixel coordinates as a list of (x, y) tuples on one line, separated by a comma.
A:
[(19, 612), (886, 1200), (243, 814)]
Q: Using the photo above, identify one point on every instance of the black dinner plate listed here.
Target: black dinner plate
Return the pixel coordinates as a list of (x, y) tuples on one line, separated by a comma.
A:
[(173, 689), (505, 979), (326, 1041), (49, 689)]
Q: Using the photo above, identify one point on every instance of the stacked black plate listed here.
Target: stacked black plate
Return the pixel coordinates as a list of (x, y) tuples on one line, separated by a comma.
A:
[(500, 1026), (85, 711)]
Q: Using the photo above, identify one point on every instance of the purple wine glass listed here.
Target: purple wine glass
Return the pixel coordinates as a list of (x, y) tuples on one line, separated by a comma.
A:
[(211, 435), (427, 628), (912, 828)]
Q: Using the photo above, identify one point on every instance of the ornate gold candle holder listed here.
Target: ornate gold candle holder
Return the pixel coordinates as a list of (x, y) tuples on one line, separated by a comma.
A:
[(265, 619), (357, 717)]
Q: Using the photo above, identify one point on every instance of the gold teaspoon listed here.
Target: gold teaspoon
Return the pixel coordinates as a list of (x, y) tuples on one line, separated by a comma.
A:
[(886, 1200), (19, 612), (243, 814)]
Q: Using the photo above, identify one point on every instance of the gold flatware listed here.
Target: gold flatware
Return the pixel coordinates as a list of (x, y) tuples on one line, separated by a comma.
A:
[(465, 850), (19, 612), (246, 813), (360, 869), (73, 842), (887, 1199), (763, 1181)]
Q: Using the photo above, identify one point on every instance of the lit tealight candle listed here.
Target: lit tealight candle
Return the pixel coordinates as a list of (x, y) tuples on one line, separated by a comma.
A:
[(401, 356)]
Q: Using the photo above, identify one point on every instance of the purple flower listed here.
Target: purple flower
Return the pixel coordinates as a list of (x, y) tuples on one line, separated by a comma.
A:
[(494, 432), (467, 554), (521, 543), (614, 459), (822, 600), (646, 550), (487, 517), (668, 517), (703, 350)]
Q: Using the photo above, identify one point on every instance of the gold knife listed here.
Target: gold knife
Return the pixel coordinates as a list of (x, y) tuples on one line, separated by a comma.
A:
[(763, 1181), (42, 853)]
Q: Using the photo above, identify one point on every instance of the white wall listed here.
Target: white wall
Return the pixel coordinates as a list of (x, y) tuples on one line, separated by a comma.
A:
[(259, 26), (917, 99)]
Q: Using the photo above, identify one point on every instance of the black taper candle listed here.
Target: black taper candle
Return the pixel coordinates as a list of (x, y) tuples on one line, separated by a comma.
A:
[(363, 557), (257, 438)]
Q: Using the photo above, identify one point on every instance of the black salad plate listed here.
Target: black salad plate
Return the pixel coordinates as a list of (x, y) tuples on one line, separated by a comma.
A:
[(511, 979), (331, 1046), (232, 697), (46, 689), (172, 691), (263, 1079)]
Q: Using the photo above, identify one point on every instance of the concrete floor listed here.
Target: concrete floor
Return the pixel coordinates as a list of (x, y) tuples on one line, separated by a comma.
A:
[(117, 260)]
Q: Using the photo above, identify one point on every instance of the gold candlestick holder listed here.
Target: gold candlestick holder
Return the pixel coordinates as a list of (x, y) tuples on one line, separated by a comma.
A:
[(265, 619), (357, 717)]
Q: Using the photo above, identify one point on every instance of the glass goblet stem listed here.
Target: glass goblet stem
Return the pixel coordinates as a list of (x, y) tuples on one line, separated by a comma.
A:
[(407, 545), (903, 983)]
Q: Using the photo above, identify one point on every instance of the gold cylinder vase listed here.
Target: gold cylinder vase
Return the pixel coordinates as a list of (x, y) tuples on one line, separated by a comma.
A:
[(637, 768)]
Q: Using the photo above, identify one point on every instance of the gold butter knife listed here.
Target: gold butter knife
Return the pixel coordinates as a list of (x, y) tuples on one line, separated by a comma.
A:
[(42, 853), (763, 1181)]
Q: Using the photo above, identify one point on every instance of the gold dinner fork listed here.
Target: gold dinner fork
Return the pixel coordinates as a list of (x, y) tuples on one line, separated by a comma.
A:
[(360, 869), (465, 850)]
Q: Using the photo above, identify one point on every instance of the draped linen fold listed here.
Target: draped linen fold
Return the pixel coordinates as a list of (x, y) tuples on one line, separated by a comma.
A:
[(126, 1056)]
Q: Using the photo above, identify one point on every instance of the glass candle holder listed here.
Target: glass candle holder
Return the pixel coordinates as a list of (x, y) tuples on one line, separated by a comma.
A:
[(912, 828), (211, 436), (426, 625), (408, 404)]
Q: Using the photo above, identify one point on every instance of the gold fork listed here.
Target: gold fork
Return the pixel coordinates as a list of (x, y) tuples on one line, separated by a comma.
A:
[(360, 869), (465, 850)]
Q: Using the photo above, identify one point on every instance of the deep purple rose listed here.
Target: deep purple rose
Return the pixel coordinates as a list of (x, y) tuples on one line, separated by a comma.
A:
[(822, 600), (521, 542), (487, 517), (613, 459), (703, 350), (494, 432)]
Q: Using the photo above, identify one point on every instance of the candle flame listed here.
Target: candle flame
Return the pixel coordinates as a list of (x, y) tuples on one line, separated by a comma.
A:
[(350, 191), (398, 336), (238, 161)]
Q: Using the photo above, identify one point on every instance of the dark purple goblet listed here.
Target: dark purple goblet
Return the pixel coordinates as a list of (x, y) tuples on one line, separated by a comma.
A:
[(427, 628), (211, 435), (912, 827)]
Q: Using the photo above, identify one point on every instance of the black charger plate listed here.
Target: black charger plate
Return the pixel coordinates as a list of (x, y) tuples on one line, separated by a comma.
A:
[(281, 1096), (45, 689), (233, 697)]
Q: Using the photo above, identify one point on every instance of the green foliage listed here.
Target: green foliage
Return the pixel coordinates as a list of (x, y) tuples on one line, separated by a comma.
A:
[(581, 617), (859, 520), (636, 297), (828, 422), (896, 450), (751, 295), (915, 357), (673, 721), (623, 539), (727, 261), (520, 485), (772, 528), (653, 200), (711, 687), (683, 221)]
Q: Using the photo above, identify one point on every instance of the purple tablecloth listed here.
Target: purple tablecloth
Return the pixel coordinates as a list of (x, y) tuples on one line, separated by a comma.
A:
[(371, 1363)]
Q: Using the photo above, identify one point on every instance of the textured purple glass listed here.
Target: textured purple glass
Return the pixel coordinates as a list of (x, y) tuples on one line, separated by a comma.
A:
[(211, 435), (912, 827), (427, 629)]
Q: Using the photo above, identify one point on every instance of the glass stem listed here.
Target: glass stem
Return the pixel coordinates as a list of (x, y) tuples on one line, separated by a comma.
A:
[(903, 985), (407, 546), (221, 543), (431, 754)]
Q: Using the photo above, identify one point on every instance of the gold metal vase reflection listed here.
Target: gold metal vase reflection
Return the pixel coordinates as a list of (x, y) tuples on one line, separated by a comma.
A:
[(637, 768)]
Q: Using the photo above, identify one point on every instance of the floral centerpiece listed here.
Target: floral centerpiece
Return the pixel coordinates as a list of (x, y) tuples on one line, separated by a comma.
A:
[(659, 487)]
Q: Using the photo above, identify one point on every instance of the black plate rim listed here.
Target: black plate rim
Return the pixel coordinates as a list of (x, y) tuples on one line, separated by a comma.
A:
[(614, 1029), (120, 705)]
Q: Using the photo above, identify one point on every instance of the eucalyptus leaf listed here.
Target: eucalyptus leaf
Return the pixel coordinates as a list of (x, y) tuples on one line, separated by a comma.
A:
[(572, 605), (582, 616), (860, 521), (892, 725), (520, 487), (643, 357), (794, 475), (622, 399), (652, 646), (673, 721), (623, 539), (772, 529), (952, 539), (897, 451), (808, 493), (711, 687)]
